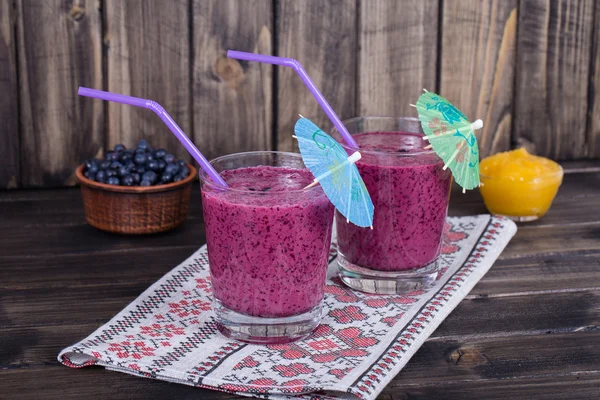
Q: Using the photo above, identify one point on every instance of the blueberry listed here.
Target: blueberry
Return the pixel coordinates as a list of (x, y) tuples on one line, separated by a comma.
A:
[(120, 148), (115, 165), (145, 182), (128, 180), (178, 178), (108, 156), (113, 156), (123, 171), (169, 158), (105, 164), (153, 165), (140, 169), (101, 176), (110, 172), (130, 165), (142, 144), (180, 175), (93, 168), (113, 180), (160, 153), (172, 169), (126, 158), (166, 178), (150, 156), (140, 158), (185, 171), (90, 175), (161, 165), (136, 177), (181, 163), (150, 176), (89, 163)]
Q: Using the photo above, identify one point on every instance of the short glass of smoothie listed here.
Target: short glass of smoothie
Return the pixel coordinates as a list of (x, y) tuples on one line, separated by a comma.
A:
[(268, 243), (410, 192)]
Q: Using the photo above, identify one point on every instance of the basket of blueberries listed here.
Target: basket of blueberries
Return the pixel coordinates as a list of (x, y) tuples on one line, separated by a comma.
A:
[(136, 191)]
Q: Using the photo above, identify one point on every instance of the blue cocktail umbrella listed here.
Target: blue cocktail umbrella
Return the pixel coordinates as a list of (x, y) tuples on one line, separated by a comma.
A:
[(335, 171)]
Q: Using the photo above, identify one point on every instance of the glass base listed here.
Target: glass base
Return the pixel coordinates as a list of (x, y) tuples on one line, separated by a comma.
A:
[(260, 330), (387, 282), (527, 218)]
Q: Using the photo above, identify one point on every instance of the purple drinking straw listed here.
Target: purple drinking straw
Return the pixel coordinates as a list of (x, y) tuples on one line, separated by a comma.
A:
[(160, 111), (290, 62)]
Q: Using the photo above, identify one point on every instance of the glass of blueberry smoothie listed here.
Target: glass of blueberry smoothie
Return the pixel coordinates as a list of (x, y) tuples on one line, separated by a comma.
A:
[(268, 244), (410, 192)]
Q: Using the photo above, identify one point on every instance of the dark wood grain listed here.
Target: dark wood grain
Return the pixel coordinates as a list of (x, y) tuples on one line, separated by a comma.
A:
[(57, 239), (59, 306), (438, 362), (529, 328), (483, 315), (505, 314), (477, 65), (110, 268), (148, 55), (593, 125), (398, 46), (553, 60), (512, 357), (321, 35), (565, 272), (548, 240), (583, 385), (9, 101), (59, 50), (58, 382), (72, 238), (232, 99), (23, 209)]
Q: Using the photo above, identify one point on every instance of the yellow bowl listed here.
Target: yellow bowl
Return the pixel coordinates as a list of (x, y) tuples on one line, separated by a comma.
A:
[(520, 200)]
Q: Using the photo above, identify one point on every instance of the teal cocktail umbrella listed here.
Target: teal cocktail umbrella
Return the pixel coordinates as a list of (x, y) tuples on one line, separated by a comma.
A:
[(452, 137), (335, 171)]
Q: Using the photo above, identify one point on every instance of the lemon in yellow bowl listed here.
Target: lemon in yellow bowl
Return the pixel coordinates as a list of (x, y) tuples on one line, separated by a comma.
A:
[(519, 185)]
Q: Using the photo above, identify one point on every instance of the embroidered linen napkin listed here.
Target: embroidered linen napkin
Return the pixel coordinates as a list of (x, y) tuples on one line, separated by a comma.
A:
[(364, 340)]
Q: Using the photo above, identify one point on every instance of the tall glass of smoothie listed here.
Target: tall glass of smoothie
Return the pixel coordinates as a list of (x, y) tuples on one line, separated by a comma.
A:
[(410, 193), (268, 244)]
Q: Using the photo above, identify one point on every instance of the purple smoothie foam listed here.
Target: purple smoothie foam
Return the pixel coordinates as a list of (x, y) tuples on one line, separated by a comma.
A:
[(268, 240), (410, 192)]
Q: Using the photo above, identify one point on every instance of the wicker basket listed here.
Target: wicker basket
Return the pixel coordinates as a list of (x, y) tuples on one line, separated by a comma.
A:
[(135, 209)]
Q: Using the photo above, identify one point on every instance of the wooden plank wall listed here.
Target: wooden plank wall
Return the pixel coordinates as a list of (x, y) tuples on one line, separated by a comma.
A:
[(398, 51), (321, 34), (147, 54), (232, 100), (553, 76), (9, 114), (59, 49), (477, 65), (529, 68)]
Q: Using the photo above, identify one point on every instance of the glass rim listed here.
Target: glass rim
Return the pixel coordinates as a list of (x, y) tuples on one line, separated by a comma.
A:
[(379, 152), (203, 175)]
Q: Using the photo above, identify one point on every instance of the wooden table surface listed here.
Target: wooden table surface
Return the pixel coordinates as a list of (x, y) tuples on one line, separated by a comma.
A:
[(529, 329)]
